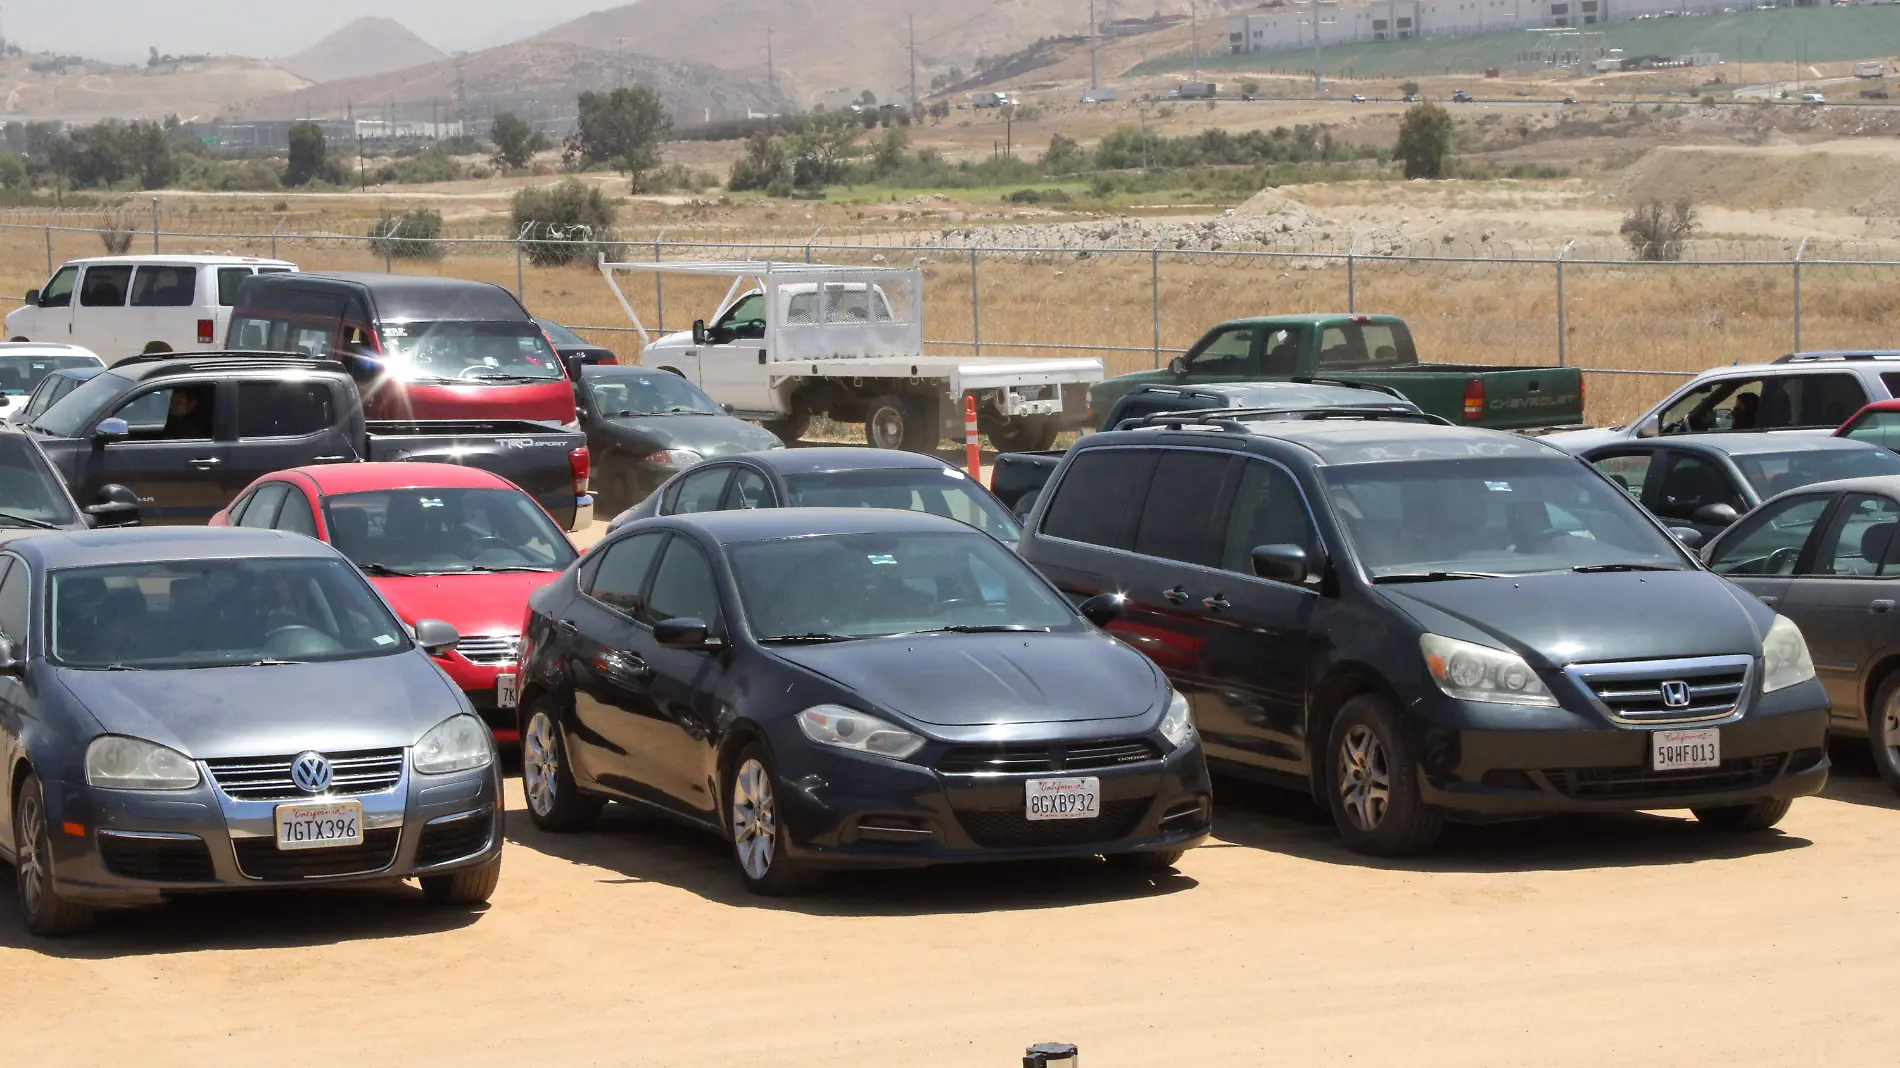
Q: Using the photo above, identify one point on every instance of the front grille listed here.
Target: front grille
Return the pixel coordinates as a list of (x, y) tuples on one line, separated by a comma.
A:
[(491, 649), (1635, 693), (1010, 829), (453, 839), (160, 860), (1033, 759), (260, 858), (1635, 784), (365, 771)]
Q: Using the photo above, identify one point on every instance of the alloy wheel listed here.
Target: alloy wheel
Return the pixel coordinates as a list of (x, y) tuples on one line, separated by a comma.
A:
[(1888, 738), (754, 822), (886, 427), (540, 763), (33, 874), (1365, 782)]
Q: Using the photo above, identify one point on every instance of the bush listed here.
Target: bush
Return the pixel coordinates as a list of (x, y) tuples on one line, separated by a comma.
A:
[(413, 235), (1037, 196), (1657, 232), (675, 177), (563, 224), (115, 233), (1424, 140)]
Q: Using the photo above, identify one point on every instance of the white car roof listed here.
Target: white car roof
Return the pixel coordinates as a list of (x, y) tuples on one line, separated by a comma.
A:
[(162, 259)]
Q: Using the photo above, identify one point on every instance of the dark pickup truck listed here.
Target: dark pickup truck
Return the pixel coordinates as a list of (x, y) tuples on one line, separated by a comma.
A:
[(187, 433), (1374, 350)]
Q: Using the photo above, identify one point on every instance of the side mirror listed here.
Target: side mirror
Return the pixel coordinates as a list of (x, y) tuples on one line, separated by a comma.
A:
[(1650, 427), (113, 429), (1715, 515), (1103, 608), (1690, 537), (727, 407), (33, 297), (1281, 563), (682, 633), (435, 636), (1178, 365), (573, 366), (11, 666), (699, 332), (116, 506)]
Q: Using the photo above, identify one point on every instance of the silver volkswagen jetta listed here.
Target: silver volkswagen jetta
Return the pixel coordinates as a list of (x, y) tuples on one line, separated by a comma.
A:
[(206, 709)]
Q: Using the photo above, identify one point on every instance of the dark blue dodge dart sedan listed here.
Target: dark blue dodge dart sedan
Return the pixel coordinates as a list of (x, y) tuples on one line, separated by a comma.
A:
[(833, 687)]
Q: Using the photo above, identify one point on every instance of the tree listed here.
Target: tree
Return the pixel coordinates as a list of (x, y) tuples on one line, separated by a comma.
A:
[(1408, 88), (764, 165), (515, 141), (1658, 232), (867, 100), (563, 224), (624, 128), (1424, 140), (1064, 155), (1250, 88), (306, 153), (887, 156)]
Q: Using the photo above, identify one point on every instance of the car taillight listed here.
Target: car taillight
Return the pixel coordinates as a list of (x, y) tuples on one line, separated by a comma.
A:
[(205, 328), (1474, 400), (579, 463)]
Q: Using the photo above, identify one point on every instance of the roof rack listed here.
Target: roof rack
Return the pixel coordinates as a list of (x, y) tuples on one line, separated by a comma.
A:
[(1376, 387), (1816, 357), (158, 357), (238, 360), (1233, 420)]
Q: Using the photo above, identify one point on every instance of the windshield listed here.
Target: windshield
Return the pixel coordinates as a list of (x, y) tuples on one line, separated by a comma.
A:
[(1494, 516), (561, 335), (870, 585), (72, 414), (469, 352), (28, 487), (1774, 472), (1878, 426), (21, 374), (445, 531), (621, 391), (217, 613), (943, 491)]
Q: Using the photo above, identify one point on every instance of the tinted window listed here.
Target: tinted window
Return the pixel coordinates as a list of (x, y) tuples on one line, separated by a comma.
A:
[(1892, 382), (262, 511), (1229, 352), (164, 286), (234, 513), (16, 595), (1811, 400), (440, 530), (701, 490), (1728, 404), (23, 374), (468, 302), (749, 490), (943, 491), (683, 587), (58, 292), (295, 515), (48, 391), (1860, 539), (624, 391), (1177, 521), (1094, 500), (1777, 472), (28, 487), (1769, 541), (284, 409), (73, 413), (1629, 470), (1280, 352), (1692, 482), (290, 295), (175, 413), (1357, 345), (228, 279), (623, 571), (1268, 510), (104, 287)]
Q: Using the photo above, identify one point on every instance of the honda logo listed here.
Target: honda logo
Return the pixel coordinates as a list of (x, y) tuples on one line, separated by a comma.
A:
[(1675, 694), (311, 772)]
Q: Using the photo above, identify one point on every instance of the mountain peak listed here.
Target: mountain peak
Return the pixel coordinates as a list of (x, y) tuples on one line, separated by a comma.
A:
[(365, 47)]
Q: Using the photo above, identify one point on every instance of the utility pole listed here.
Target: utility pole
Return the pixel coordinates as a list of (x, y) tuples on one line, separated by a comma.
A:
[(1318, 85), (913, 68), (770, 82), (359, 160), (1194, 32), (1093, 29), (620, 61)]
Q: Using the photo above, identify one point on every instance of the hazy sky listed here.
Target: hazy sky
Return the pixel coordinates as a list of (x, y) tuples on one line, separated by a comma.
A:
[(119, 29)]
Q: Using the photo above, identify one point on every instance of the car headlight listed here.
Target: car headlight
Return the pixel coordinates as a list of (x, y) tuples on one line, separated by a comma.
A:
[(847, 728), (1177, 725), (676, 458), (115, 762), (1784, 656), (458, 743), (1472, 672)]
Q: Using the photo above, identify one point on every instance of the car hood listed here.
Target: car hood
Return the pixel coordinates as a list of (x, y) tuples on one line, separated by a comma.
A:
[(1571, 619), (1576, 441), (973, 680), (707, 435), (207, 713), (472, 604)]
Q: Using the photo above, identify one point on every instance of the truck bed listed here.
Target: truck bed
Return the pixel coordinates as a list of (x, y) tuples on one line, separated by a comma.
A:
[(961, 373)]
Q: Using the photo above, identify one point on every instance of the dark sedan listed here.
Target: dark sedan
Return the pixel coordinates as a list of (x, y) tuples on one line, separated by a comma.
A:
[(174, 718), (840, 477), (833, 687), (573, 348), (644, 426)]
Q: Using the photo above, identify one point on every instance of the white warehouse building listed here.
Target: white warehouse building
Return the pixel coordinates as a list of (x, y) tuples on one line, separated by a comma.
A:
[(1285, 28)]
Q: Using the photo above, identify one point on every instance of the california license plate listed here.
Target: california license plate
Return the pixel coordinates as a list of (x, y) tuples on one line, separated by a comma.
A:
[(506, 695), (319, 824), (1062, 799), (1676, 750)]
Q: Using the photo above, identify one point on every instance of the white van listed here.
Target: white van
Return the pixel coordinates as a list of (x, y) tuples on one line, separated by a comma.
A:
[(120, 306)]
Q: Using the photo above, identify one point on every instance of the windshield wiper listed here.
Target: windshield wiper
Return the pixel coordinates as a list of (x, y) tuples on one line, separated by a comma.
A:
[(1435, 576), (977, 628), (681, 409), (1598, 569), (117, 666), (271, 661), (9, 517), (503, 376), (511, 567), (814, 638), (374, 568)]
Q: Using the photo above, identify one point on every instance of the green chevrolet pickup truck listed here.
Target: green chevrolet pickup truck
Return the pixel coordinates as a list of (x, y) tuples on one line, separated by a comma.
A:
[(1374, 349)]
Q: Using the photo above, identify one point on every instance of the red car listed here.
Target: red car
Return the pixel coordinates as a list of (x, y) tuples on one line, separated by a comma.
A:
[(1877, 424), (438, 542)]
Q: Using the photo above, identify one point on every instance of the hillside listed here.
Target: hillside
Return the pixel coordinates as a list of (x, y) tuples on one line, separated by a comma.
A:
[(87, 92), (828, 45), (365, 47), (530, 78)]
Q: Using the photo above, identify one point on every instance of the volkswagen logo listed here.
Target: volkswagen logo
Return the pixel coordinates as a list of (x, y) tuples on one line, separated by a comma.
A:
[(1675, 694), (311, 772)]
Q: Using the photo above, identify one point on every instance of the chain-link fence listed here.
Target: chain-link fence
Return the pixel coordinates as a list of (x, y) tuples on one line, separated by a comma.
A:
[(1636, 327)]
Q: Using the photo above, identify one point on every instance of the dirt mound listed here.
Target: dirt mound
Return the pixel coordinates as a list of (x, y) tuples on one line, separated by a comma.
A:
[(366, 47), (1854, 177)]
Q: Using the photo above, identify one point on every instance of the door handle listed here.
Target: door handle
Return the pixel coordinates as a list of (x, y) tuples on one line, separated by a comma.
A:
[(1217, 603), (638, 668), (1767, 598), (328, 459), (204, 461), (1881, 606), (567, 626), (1177, 595)]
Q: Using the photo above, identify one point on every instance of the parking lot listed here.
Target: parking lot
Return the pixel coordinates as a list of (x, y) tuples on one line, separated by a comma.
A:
[(1633, 940)]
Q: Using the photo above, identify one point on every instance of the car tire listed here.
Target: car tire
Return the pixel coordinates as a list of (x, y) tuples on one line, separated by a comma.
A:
[(1759, 816), (791, 429), (751, 792), (1883, 730), (1146, 862), (887, 422), (470, 886), (1372, 782), (555, 802), (45, 911), (1028, 434)]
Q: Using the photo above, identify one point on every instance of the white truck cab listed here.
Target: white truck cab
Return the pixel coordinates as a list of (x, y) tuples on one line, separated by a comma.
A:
[(121, 306), (791, 341)]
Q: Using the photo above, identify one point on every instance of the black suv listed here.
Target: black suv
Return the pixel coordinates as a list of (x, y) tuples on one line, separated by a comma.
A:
[(1418, 622)]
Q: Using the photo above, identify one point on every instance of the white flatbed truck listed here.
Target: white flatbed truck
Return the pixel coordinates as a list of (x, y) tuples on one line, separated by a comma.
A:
[(795, 340)]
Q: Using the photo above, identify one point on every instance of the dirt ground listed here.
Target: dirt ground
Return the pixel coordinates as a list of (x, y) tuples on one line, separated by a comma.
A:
[(1641, 940)]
